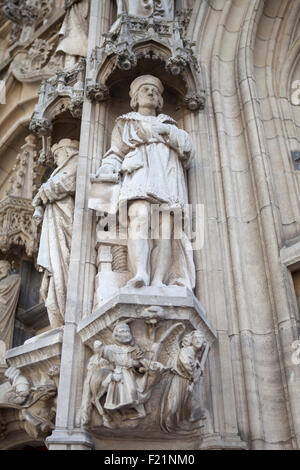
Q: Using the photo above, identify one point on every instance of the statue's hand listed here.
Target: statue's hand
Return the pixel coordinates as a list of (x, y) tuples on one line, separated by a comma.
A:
[(160, 128), (157, 366), (36, 201), (40, 198), (38, 215)]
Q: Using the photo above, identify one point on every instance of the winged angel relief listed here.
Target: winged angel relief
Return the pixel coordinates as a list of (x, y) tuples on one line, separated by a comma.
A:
[(121, 377)]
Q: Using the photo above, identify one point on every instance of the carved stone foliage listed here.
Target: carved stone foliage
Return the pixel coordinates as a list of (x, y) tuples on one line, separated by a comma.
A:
[(27, 11), (155, 37), (26, 15), (35, 402), (25, 176), (146, 371), (134, 29), (16, 226), (97, 92), (40, 62)]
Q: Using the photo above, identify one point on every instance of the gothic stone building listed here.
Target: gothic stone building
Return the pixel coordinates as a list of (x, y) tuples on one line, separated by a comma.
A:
[(187, 107)]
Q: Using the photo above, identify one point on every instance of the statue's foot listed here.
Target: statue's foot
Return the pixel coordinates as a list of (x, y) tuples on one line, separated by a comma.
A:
[(157, 283), (137, 282), (134, 414)]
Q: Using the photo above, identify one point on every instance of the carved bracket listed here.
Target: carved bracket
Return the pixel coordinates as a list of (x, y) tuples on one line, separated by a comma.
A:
[(97, 92), (152, 357)]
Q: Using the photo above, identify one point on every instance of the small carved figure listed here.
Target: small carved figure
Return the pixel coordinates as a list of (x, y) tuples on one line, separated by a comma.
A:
[(54, 205), (149, 153), (178, 411), (162, 9), (9, 294), (122, 374), (20, 386), (36, 405)]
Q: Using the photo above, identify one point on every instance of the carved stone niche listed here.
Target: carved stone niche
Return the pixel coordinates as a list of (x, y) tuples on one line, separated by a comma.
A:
[(31, 385), (16, 227), (154, 43), (61, 93), (145, 379)]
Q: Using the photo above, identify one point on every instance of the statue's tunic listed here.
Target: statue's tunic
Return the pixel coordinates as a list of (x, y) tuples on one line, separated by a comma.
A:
[(56, 236), (74, 30), (152, 168), (151, 164), (9, 294)]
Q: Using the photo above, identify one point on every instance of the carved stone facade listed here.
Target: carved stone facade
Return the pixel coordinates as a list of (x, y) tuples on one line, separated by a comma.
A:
[(16, 225), (25, 16), (149, 224)]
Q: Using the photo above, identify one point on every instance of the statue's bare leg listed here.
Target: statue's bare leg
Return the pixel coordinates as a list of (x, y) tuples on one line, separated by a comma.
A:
[(139, 243), (161, 257), (161, 261)]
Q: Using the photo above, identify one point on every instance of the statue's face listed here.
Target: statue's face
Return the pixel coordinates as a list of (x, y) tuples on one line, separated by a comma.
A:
[(122, 333), (4, 270), (198, 340), (60, 156), (148, 96)]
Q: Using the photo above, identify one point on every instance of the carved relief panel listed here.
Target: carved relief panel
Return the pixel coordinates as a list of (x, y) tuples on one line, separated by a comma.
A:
[(146, 371)]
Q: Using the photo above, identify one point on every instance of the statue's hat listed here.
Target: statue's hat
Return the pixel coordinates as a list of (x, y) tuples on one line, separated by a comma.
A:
[(145, 80), (66, 143)]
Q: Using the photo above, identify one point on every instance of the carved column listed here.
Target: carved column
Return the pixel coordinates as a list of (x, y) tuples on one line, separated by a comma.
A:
[(82, 269)]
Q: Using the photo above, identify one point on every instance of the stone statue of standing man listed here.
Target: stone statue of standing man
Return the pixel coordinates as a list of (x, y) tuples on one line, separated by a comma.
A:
[(54, 208), (149, 154), (9, 294)]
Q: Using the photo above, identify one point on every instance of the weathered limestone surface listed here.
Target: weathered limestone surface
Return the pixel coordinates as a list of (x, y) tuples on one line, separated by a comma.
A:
[(158, 346)]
